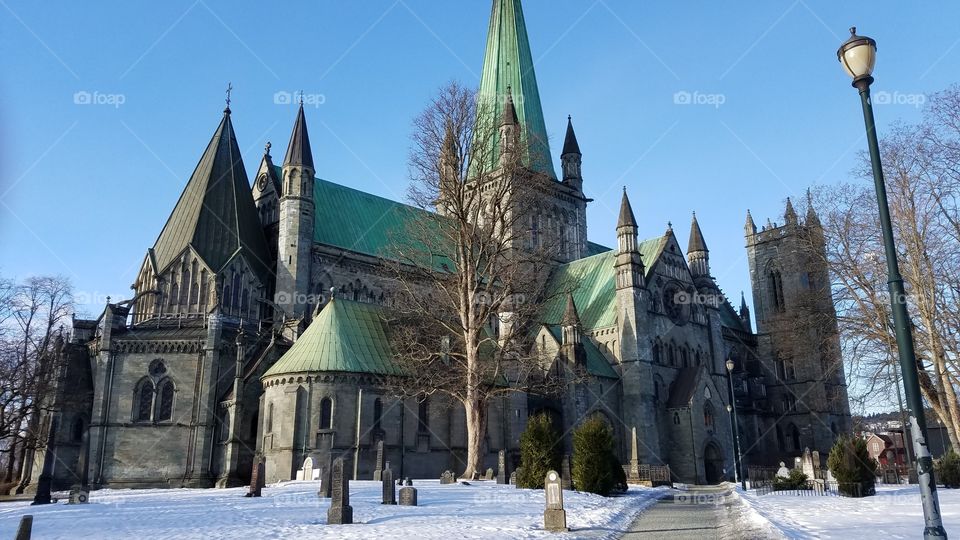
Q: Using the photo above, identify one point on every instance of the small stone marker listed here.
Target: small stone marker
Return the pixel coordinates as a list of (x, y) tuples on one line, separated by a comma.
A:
[(257, 479), (554, 517), (489, 475), (447, 477), (566, 479), (25, 529), (378, 466), (408, 494), (308, 468), (340, 512), (78, 496), (783, 471), (502, 467), (325, 481), (513, 478), (389, 488)]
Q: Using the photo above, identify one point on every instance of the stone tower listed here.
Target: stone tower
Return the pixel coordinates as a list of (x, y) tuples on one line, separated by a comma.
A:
[(295, 240), (799, 339), (636, 356)]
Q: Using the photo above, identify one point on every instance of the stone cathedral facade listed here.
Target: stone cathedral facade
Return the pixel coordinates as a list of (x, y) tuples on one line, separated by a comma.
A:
[(232, 346)]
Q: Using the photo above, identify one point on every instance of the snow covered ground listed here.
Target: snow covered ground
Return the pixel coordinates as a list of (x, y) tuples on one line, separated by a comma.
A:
[(894, 512), (292, 509)]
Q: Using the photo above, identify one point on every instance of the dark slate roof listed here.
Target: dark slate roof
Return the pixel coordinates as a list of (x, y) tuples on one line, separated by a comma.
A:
[(298, 150), (626, 212), (683, 387), (346, 336), (697, 242), (215, 213), (570, 144), (509, 111), (729, 317)]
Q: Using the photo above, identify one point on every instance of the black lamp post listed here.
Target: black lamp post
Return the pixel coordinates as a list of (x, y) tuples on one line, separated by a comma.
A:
[(858, 55), (732, 409)]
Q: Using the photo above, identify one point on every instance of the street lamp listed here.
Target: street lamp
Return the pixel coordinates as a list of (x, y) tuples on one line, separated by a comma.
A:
[(858, 55), (732, 409)]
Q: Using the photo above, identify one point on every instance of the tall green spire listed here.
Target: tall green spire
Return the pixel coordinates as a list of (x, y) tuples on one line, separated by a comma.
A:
[(509, 63)]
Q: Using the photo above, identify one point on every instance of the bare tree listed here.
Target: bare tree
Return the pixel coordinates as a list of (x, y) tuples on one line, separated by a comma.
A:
[(472, 273), (32, 317)]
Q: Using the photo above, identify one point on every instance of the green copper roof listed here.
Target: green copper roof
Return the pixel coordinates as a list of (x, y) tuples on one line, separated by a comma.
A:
[(509, 63), (215, 213), (346, 336), (594, 286)]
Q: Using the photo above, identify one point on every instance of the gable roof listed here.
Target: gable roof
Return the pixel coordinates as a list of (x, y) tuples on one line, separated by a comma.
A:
[(346, 336), (596, 362), (215, 213)]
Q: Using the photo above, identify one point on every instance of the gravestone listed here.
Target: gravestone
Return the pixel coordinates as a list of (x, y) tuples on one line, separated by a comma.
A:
[(783, 471), (389, 489), (489, 475), (806, 464), (566, 478), (308, 468), (447, 477), (554, 516), (378, 466), (258, 479), (634, 475), (408, 494), (326, 475), (340, 512), (502, 467), (513, 478), (25, 529)]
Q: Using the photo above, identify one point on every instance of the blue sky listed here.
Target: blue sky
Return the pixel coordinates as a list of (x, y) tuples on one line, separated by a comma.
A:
[(86, 188)]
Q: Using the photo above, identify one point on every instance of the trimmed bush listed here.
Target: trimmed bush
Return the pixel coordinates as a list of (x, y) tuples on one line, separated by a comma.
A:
[(796, 480), (596, 468), (853, 467), (539, 452), (947, 470)]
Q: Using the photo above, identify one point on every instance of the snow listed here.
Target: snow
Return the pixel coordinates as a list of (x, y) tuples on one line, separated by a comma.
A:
[(894, 512), (292, 509)]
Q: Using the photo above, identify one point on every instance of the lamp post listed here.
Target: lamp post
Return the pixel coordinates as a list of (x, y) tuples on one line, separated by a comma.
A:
[(858, 55), (732, 409)]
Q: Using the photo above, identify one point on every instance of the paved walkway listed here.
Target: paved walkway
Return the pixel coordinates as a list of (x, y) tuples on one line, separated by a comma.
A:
[(700, 512)]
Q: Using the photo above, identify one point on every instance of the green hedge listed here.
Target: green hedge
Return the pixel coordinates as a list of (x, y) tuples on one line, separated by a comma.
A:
[(539, 452)]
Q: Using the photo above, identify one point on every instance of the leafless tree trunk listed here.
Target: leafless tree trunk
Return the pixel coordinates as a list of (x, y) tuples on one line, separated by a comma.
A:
[(472, 277)]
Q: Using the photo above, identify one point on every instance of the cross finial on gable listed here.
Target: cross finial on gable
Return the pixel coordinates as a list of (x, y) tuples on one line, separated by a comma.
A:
[(229, 89)]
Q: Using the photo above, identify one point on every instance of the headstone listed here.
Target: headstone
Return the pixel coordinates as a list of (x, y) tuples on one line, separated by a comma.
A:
[(340, 512), (447, 477), (389, 489), (806, 463), (489, 475), (378, 466), (566, 478), (554, 516), (257, 479), (25, 529), (513, 477), (783, 471), (299, 474), (502, 467), (78, 496), (308, 468), (634, 475), (326, 475), (408, 495)]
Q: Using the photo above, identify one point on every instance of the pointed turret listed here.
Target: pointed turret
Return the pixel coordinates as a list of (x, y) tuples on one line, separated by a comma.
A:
[(744, 312), (298, 151), (570, 322), (266, 189), (509, 130), (790, 215), (629, 265), (750, 228), (813, 220), (295, 239), (571, 158), (508, 62), (698, 256)]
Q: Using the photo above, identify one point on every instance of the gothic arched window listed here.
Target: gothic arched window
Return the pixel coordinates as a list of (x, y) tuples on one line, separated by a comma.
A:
[(780, 442), (795, 437), (164, 410), (143, 404), (656, 352), (326, 413), (423, 415), (708, 414), (78, 429), (377, 417)]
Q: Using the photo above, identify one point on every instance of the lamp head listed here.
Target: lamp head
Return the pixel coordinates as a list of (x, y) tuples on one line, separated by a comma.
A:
[(858, 56)]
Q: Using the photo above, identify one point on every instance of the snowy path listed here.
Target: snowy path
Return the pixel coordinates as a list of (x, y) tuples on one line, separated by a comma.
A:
[(293, 510), (700, 512)]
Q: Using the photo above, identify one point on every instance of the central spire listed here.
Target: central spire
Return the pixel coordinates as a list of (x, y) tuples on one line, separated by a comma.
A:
[(509, 63)]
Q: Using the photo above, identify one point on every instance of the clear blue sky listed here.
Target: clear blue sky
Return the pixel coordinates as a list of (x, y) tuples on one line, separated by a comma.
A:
[(85, 189)]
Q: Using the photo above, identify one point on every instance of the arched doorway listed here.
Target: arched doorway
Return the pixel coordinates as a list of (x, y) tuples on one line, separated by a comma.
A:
[(713, 463)]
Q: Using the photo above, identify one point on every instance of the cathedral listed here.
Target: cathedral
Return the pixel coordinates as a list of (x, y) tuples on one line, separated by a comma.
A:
[(255, 331)]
